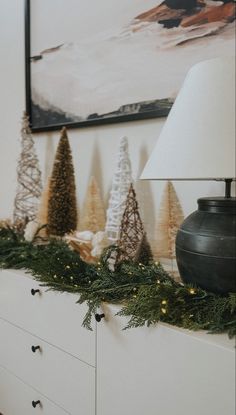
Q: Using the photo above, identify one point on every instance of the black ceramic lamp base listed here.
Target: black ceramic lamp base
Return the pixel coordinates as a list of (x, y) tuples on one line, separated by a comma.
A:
[(206, 245)]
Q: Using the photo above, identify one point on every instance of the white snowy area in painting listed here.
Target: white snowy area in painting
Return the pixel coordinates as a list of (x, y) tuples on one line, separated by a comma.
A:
[(138, 62)]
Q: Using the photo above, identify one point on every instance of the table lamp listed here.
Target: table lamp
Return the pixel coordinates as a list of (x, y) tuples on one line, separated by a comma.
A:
[(197, 142)]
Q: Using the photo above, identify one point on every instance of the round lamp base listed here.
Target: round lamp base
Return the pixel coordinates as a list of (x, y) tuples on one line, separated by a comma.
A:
[(206, 246)]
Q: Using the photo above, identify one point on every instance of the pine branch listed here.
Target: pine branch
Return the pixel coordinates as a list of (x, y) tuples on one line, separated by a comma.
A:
[(147, 293)]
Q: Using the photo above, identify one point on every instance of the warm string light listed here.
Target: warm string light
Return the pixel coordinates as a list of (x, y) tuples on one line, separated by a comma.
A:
[(192, 291), (163, 309)]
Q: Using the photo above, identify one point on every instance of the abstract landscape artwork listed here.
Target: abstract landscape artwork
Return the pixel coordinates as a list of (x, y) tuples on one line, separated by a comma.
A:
[(91, 62)]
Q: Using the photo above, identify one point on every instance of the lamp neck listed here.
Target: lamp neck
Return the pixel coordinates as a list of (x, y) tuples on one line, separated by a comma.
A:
[(228, 188)]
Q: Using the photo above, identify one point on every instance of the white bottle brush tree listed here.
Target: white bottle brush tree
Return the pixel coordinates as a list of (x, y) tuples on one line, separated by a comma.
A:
[(29, 183), (120, 186)]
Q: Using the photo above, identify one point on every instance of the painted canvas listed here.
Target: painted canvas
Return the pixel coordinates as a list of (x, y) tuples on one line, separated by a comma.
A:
[(103, 61)]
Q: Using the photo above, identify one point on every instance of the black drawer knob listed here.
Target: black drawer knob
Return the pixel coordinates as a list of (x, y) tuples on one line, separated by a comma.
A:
[(35, 403), (33, 292), (98, 317), (34, 348)]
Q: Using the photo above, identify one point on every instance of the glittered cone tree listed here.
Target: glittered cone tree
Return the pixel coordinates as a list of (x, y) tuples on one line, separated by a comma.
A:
[(93, 218), (62, 207), (120, 186), (143, 254), (170, 218), (131, 231), (29, 182)]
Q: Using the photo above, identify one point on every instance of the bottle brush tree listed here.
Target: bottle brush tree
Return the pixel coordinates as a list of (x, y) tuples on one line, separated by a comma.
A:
[(62, 206), (93, 218), (170, 218)]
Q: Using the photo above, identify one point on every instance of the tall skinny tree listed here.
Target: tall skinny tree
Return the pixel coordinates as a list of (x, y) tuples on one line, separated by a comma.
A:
[(93, 218), (42, 215), (120, 186), (29, 182), (170, 218), (62, 206)]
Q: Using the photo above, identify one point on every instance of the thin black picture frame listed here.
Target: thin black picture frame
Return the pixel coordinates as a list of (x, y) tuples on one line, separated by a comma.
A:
[(143, 115)]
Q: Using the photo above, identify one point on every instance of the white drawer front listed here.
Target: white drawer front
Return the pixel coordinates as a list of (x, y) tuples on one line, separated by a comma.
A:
[(162, 370), (16, 398), (59, 376), (52, 316)]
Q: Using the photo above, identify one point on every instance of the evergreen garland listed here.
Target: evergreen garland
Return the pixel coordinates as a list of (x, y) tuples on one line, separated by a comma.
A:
[(146, 292)]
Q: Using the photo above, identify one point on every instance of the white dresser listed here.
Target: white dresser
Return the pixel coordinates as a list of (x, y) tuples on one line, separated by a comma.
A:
[(47, 360), (163, 370), (50, 365)]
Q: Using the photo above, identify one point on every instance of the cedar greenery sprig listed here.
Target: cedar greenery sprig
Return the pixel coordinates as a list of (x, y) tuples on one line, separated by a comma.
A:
[(146, 292)]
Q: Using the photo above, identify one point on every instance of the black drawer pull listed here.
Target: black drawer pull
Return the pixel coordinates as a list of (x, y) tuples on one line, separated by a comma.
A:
[(34, 348), (33, 292), (98, 317), (35, 403)]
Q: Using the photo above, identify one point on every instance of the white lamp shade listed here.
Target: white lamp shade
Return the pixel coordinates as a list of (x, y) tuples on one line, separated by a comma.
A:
[(197, 141)]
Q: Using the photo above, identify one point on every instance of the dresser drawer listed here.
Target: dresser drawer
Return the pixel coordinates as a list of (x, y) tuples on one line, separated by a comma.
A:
[(53, 316), (59, 376), (16, 398)]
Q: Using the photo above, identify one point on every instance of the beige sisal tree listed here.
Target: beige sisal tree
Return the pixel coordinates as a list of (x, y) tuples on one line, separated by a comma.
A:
[(169, 220), (42, 215), (93, 217)]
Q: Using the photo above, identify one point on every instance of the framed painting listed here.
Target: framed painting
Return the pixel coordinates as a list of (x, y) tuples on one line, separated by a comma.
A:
[(95, 62)]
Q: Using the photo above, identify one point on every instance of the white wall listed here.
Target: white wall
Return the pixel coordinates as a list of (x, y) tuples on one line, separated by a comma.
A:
[(94, 149)]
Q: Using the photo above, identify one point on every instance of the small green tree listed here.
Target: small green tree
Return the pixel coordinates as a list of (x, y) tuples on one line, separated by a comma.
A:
[(144, 253), (62, 206)]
